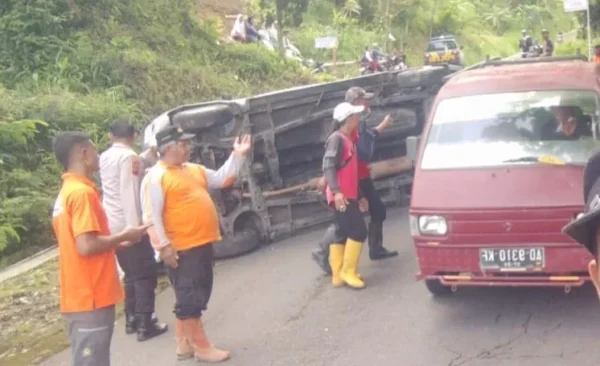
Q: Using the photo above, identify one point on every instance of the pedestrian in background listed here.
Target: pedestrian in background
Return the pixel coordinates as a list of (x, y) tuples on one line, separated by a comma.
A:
[(186, 222), (121, 170), (89, 283)]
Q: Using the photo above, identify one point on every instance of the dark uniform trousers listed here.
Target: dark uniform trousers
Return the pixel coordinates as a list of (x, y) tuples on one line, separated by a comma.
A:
[(139, 266), (377, 212), (192, 281)]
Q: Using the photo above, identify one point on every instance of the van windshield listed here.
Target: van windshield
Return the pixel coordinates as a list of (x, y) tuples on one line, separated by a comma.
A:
[(512, 128)]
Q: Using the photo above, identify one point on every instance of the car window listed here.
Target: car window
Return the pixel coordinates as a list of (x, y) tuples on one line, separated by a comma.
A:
[(492, 129), (440, 46)]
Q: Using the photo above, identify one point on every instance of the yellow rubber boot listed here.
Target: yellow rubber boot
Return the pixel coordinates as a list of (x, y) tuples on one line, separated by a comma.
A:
[(351, 256), (336, 260)]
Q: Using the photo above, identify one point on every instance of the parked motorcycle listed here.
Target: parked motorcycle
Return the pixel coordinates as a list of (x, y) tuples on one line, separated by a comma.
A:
[(386, 63), (535, 51)]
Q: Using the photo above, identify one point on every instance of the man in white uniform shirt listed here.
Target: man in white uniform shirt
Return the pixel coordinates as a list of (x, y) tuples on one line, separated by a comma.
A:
[(121, 170)]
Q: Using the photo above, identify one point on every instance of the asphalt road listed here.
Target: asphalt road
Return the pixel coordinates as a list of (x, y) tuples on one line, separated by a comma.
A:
[(273, 307)]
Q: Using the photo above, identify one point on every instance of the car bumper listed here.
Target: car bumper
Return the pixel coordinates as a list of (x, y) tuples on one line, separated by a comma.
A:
[(458, 265)]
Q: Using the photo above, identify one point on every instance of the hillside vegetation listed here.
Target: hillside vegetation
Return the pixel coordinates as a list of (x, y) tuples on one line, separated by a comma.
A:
[(78, 64)]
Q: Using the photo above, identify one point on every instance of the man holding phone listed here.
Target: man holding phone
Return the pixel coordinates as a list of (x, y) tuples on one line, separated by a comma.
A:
[(89, 283), (365, 141)]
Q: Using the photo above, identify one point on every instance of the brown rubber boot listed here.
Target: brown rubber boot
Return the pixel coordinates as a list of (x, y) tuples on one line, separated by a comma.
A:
[(184, 348), (203, 350)]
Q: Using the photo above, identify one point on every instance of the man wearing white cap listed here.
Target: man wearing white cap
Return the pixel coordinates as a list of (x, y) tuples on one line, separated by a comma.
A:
[(340, 168)]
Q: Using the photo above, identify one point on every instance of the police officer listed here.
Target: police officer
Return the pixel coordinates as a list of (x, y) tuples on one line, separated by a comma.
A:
[(120, 173)]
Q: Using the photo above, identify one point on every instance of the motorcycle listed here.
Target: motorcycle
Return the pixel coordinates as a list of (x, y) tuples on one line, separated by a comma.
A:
[(316, 67), (371, 67), (536, 50), (387, 63), (398, 63)]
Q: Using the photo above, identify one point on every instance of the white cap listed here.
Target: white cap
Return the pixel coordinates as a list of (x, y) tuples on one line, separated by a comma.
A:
[(344, 110)]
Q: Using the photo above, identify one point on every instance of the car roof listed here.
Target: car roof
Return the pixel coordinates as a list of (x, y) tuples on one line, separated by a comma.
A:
[(522, 77)]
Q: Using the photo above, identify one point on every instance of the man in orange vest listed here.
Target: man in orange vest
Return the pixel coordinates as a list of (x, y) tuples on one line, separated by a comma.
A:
[(186, 223), (596, 58), (89, 283)]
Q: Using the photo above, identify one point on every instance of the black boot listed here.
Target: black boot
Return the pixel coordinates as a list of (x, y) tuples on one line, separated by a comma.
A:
[(148, 328), (130, 323), (376, 249)]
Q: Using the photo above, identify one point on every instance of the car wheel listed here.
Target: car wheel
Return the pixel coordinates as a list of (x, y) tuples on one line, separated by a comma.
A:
[(436, 288), (241, 243)]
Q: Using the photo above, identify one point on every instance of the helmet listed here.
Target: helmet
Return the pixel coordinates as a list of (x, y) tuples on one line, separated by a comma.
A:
[(544, 31)]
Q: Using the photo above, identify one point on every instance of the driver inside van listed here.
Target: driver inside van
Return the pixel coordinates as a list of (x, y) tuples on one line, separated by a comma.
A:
[(569, 126)]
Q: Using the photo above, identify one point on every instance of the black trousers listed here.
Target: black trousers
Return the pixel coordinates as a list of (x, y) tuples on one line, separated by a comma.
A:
[(192, 281), (350, 224), (378, 214), (377, 209), (139, 266)]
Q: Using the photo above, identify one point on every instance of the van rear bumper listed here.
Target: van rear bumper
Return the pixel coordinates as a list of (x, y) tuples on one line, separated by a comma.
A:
[(458, 265)]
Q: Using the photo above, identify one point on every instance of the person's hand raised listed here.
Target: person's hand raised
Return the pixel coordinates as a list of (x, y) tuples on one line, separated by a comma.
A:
[(241, 146)]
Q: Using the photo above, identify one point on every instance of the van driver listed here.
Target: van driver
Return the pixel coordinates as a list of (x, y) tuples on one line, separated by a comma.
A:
[(569, 128)]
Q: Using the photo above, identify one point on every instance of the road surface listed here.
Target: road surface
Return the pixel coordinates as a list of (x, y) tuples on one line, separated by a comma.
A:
[(273, 307)]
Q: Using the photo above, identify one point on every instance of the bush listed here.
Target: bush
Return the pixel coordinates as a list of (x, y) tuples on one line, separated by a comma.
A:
[(29, 175)]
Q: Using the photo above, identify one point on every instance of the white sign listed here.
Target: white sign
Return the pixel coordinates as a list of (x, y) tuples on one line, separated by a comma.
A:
[(575, 5), (326, 42)]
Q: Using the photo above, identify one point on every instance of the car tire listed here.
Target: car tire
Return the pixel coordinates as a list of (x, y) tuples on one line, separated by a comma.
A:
[(241, 243), (196, 120), (436, 288)]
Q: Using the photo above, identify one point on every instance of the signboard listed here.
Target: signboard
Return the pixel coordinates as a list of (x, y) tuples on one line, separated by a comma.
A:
[(326, 42), (575, 5)]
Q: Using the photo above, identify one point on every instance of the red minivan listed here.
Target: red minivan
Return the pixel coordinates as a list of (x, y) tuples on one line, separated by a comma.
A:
[(498, 173)]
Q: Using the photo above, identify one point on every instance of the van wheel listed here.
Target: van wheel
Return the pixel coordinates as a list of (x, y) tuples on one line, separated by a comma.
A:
[(436, 288), (241, 243)]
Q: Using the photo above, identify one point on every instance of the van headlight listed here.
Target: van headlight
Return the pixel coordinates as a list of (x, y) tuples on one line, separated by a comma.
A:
[(432, 225)]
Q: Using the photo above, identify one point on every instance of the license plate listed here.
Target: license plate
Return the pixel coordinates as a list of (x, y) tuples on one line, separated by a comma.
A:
[(515, 259), (444, 57)]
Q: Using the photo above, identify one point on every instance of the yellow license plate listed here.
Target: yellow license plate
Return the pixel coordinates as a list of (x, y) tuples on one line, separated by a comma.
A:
[(436, 57)]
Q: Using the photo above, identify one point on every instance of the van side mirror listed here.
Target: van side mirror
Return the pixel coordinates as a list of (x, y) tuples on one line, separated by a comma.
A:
[(412, 147), (461, 48)]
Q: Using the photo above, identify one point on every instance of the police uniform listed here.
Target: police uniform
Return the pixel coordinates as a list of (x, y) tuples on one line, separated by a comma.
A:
[(121, 170)]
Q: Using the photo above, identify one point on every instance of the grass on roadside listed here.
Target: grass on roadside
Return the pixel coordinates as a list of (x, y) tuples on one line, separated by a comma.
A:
[(32, 328)]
